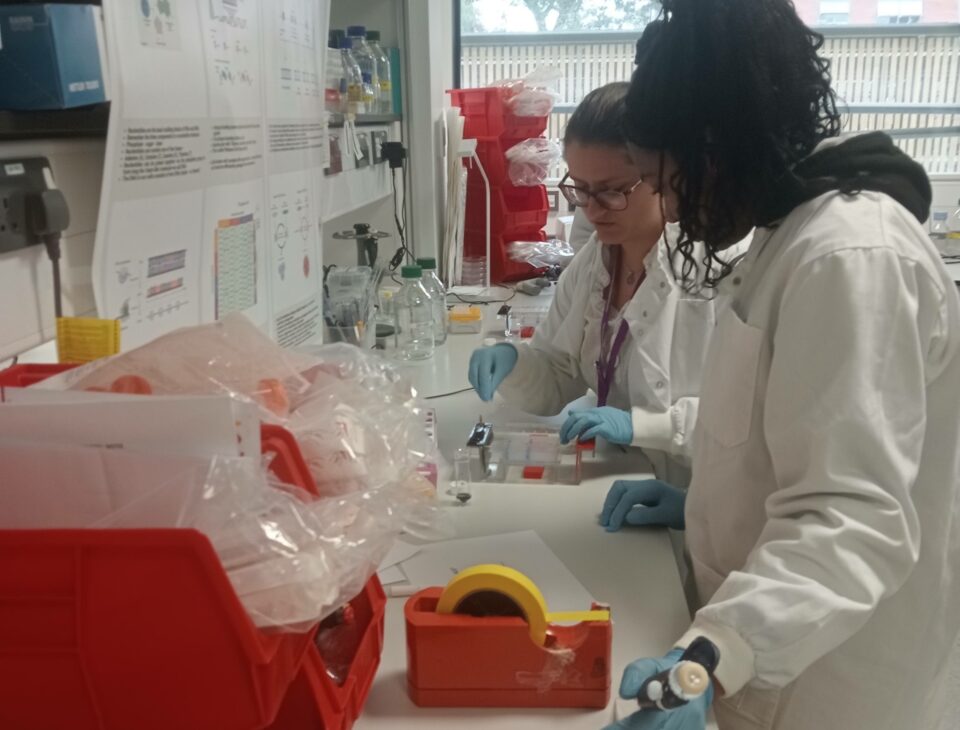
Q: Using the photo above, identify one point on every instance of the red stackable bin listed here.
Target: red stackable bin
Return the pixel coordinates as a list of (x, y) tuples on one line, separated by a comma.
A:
[(142, 630), (513, 210), (502, 267), (516, 213), (486, 113)]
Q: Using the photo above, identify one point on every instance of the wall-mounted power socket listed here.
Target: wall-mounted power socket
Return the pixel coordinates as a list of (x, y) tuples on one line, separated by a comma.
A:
[(19, 178)]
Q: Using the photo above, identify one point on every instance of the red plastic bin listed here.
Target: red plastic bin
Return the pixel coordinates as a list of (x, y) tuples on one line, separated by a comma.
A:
[(502, 267), (513, 210), (492, 154), (123, 629), (314, 701), (486, 114)]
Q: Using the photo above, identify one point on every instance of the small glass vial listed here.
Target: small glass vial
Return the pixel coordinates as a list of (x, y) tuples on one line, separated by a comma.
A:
[(461, 486)]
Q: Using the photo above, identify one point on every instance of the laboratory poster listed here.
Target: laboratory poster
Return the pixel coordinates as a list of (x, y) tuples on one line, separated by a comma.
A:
[(211, 199)]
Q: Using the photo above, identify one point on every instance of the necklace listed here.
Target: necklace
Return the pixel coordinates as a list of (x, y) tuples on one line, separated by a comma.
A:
[(632, 276)]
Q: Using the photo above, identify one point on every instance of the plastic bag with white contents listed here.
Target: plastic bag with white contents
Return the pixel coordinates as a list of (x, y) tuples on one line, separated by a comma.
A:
[(531, 160)]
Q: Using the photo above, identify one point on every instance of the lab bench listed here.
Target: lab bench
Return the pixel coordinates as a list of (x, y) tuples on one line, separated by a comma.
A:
[(632, 570)]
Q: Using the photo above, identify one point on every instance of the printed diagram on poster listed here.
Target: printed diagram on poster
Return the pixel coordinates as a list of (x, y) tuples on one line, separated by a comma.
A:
[(213, 169), (158, 23), (291, 239), (294, 255), (236, 264), (233, 58)]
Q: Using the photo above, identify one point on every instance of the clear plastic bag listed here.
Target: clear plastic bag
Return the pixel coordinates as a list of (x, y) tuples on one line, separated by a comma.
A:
[(292, 558), (231, 357), (531, 160), (542, 254), (532, 96)]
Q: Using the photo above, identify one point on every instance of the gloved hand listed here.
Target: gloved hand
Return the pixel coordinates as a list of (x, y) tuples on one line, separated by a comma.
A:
[(614, 425), (691, 716), (489, 366), (660, 504)]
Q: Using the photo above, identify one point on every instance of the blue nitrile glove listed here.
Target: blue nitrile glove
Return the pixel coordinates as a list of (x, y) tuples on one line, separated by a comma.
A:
[(691, 716), (489, 366), (659, 503), (614, 425)]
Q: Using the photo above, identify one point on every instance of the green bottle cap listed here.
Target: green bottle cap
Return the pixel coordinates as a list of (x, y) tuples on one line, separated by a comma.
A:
[(411, 272), (427, 264)]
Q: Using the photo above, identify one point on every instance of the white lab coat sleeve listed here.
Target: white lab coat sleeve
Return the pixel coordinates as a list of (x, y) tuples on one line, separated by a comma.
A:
[(547, 374), (844, 424), (671, 431)]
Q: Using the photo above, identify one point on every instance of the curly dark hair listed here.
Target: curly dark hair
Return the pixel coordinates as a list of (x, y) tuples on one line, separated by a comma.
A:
[(735, 92)]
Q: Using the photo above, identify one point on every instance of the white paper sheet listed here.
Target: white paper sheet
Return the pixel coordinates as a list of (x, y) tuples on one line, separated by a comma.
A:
[(525, 551), (392, 575), (189, 425), (56, 486), (398, 553)]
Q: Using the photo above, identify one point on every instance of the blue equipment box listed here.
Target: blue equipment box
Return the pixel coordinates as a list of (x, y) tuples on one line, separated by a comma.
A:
[(49, 57)]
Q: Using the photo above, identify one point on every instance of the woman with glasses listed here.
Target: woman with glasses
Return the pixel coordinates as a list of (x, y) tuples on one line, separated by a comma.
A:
[(621, 323), (823, 519)]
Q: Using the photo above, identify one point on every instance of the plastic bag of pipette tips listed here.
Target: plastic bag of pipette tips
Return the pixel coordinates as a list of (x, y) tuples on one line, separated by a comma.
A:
[(292, 558), (542, 254), (359, 423), (531, 160)]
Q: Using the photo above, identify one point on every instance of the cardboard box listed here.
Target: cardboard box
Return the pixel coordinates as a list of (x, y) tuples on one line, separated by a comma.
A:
[(49, 57)]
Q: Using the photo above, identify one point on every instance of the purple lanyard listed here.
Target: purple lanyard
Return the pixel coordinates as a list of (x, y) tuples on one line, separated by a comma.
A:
[(608, 360)]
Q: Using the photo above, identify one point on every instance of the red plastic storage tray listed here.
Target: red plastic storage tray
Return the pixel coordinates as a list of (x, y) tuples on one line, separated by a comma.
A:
[(142, 630), (492, 154), (502, 268), (513, 210), (485, 114)]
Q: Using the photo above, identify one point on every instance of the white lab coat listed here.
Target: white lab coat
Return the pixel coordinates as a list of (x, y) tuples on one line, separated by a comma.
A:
[(823, 520), (658, 378)]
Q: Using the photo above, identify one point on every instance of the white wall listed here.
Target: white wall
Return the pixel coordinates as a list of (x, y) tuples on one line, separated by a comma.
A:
[(430, 69), (26, 285), (946, 193)]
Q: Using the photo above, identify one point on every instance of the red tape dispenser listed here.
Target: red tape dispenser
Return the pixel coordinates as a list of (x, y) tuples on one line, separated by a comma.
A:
[(487, 640)]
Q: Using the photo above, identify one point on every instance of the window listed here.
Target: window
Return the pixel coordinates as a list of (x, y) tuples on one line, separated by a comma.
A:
[(834, 12), (592, 42), (834, 18), (899, 12), (897, 19)]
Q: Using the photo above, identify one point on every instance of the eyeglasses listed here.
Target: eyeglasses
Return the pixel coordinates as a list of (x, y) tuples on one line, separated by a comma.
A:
[(609, 199)]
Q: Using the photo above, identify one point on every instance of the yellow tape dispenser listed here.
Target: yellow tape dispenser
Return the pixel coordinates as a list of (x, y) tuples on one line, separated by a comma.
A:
[(467, 648), (496, 590)]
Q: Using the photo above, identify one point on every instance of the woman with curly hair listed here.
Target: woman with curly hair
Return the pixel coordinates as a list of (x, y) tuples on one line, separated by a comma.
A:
[(822, 520)]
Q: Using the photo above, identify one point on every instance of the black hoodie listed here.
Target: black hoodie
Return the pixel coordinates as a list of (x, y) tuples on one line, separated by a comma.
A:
[(865, 162)]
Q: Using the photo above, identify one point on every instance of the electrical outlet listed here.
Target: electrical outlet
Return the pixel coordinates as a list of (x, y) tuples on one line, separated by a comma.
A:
[(18, 178)]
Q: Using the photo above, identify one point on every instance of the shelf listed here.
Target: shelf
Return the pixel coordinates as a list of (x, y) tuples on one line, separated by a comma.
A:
[(365, 120), (88, 121)]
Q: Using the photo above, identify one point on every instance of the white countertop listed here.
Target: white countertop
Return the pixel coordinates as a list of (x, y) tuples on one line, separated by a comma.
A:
[(632, 570)]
